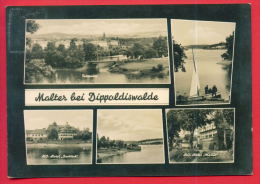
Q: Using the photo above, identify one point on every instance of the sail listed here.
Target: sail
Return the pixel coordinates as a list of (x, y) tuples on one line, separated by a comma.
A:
[(195, 83)]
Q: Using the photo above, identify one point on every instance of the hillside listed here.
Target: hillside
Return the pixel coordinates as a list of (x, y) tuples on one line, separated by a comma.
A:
[(220, 45), (58, 36)]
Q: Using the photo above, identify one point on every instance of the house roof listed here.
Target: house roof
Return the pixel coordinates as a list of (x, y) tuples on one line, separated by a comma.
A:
[(37, 131), (67, 128)]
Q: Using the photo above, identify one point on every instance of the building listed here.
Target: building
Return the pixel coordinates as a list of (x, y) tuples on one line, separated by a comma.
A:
[(66, 132), (106, 44), (44, 42), (113, 43), (208, 137), (101, 43), (38, 134)]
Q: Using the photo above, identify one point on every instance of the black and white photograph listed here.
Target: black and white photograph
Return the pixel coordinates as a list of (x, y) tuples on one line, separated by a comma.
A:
[(58, 137), (96, 51), (203, 61), (130, 136), (201, 135)]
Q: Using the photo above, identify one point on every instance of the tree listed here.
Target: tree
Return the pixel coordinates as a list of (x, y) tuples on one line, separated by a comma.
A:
[(90, 51), (120, 144), (37, 70), (61, 48), (150, 53), (103, 142), (188, 119), (174, 126), (53, 134), (73, 45), (224, 121), (52, 131), (157, 68), (28, 42), (137, 50), (104, 36), (50, 54), (36, 52), (75, 56), (192, 119), (160, 46), (50, 47), (60, 57), (178, 56), (112, 143), (86, 135), (229, 48), (32, 26)]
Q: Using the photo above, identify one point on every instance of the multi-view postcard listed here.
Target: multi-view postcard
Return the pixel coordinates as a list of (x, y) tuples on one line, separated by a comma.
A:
[(129, 91)]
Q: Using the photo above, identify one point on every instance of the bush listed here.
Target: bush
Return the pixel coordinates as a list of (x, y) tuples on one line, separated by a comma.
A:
[(158, 68), (37, 70), (150, 53)]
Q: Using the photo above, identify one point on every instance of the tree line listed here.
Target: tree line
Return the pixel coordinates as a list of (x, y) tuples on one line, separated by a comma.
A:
[(76, 56), (180, 56), (229, 44), (105, 142)]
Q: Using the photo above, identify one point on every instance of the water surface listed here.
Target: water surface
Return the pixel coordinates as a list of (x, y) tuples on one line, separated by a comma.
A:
[(58, 155), (212, 71), (149, 154)]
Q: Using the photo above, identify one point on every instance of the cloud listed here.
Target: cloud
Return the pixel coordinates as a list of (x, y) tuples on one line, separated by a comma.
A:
[(189, 32), (130, 124), (36, 119), (100, 26)]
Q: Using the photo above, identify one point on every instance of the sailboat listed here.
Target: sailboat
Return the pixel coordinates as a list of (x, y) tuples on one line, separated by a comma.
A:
[(195, 86), (195, 82)]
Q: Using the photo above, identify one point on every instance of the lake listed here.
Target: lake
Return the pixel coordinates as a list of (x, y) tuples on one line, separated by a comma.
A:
[(149, 154), (98, 73), (60, 154), (212, 71)]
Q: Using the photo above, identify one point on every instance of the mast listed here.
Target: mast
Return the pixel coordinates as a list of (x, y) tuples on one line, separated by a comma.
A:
[(195, 85)]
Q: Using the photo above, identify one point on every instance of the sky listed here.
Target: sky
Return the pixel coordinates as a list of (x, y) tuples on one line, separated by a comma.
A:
[(130, 124), (190, 32), (37, 119), (99, 26)]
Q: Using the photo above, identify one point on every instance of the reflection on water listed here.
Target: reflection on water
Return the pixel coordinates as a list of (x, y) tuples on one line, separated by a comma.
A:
[(58, 155), (148, 154), (211, 72), (99, 73)]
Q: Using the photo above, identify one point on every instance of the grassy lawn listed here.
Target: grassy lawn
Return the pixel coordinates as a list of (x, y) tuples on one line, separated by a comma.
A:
[(146, 64)]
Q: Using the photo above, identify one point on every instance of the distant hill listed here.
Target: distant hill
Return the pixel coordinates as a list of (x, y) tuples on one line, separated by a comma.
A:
[(220, 45), (58, 36), (146, 141), (151, 141)]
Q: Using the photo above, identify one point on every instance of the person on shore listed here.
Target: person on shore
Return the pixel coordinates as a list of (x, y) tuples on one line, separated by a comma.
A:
[(206, 89), (214, 91)]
